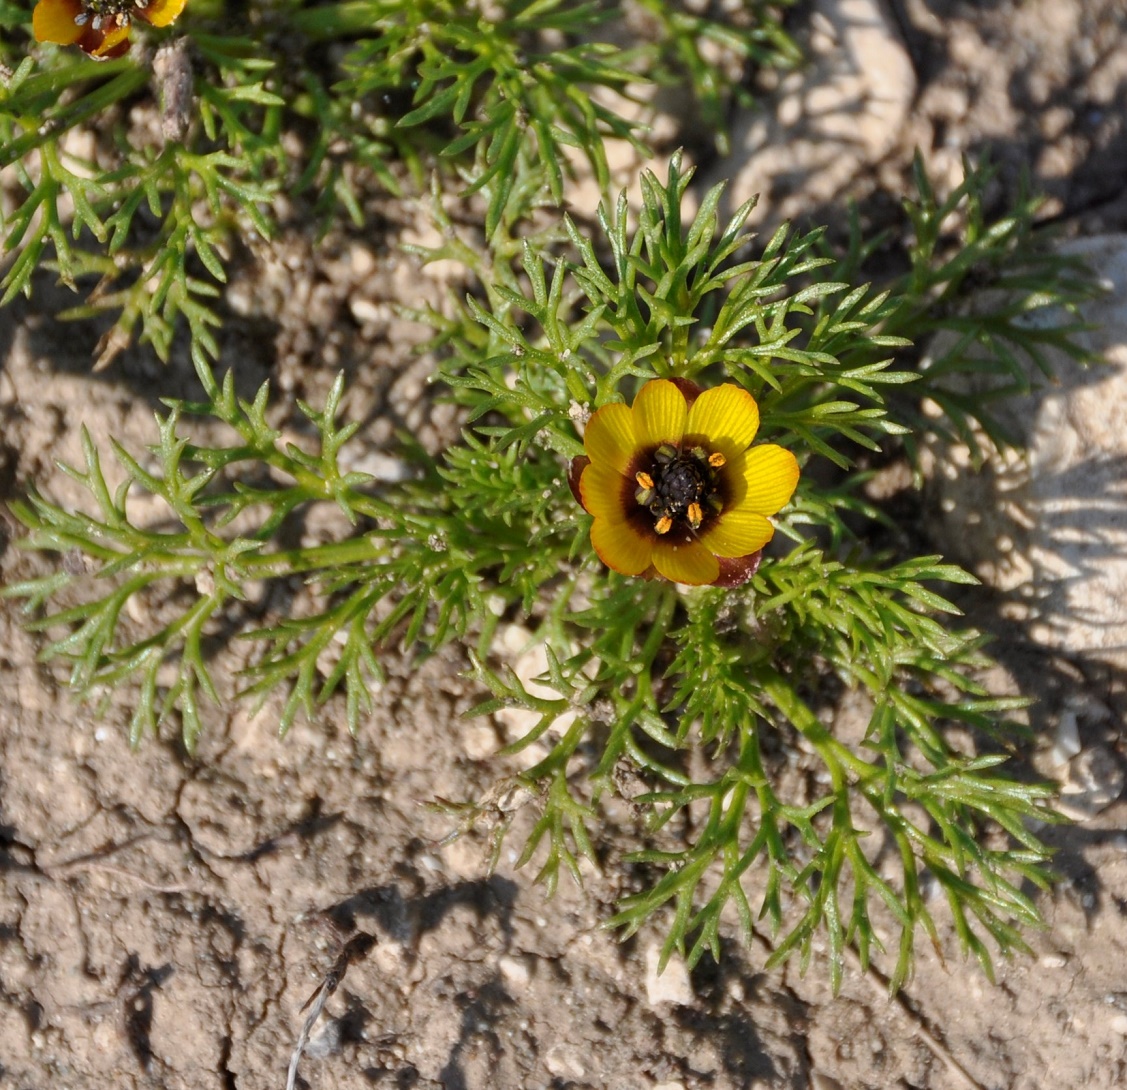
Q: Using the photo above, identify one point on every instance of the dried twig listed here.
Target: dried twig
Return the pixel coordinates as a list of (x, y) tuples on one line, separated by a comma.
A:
[(355, 948)]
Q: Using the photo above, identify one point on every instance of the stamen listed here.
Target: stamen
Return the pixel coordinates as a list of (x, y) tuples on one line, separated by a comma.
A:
[(663, 524), (665, 454), (122, 19), (81, 18), (142, 4), (695, 515), (716, 460), (644, 496), (644, 479), (97, 22)]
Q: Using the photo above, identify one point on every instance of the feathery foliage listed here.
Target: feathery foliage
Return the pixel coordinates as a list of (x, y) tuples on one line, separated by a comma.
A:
[(152, 220)]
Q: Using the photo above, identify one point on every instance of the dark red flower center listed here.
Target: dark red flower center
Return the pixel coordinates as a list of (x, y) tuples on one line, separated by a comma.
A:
[(680, 488)]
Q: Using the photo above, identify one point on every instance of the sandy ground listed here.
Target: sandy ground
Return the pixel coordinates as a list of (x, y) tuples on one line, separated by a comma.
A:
[(163, 918)]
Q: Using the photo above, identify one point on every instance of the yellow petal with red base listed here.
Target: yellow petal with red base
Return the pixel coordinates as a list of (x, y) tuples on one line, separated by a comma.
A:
[(601, 491), (761, 480), (53, 21), (724, 418), (620, 546), (114, 43), (609, 438), (737, 532), (162, 12), (660, 413), (685, 562)]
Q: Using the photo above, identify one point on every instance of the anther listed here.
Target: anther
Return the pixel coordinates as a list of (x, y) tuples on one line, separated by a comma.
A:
[(716, 460), (644, 479), (81, 17), (97, 22), (663, 524), (695, 515), (142, 4), (122, 19)]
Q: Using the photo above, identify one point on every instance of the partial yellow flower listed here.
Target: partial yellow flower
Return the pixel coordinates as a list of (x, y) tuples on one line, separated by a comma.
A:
[(677, 489), (99, 27)]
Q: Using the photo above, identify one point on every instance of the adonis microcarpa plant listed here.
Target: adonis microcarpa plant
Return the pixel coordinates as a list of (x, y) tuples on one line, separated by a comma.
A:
[(661, 469)]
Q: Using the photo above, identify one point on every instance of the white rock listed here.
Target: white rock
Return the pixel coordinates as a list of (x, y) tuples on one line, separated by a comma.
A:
[(1048, 527), (368, 313), (671, 986), (1081, 710), (1066, 741), (515, 971), (1092, 782), (825, 123), (564, 1062)]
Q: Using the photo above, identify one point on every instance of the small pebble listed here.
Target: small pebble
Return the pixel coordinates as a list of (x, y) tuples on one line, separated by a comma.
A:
[(366, 312), (515, 971), (1092, 781), (564, 1062), (671, 986), (1066, 743)]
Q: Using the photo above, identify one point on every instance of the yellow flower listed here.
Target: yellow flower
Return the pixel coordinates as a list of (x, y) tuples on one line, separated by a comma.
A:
[(99, 27), (674, 487)]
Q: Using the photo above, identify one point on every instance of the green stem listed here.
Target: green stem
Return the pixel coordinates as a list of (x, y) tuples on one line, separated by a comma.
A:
[(43, 130), (621, 735), (835, 756), (340, 20)]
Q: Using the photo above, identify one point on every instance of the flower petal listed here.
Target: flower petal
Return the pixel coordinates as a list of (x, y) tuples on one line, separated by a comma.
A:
[(53, 21), (737, 532), (575, 473), (737, 570), (724, 418), (761, 480), (689, 388), (110, 43), (609, 437), (603, 492), (620, 546), (162, 12), (685, 562), (660, 413)]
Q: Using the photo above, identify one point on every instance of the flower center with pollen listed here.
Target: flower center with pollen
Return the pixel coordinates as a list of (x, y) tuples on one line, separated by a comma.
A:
[(680, 486), (108, 12)]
